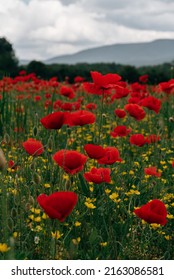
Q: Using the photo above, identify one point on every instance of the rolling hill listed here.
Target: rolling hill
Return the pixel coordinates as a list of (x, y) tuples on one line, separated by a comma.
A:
[(136, 54)]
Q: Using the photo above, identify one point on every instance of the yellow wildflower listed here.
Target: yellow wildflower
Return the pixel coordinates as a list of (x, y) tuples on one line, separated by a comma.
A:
[(56, 234), (155, 226), (37, 219), (76, 241), (132, 192), (4, 248), (136, 163), (167, 237), (103, 244), (90, 205), (118, 188), (77, 224), (170, 216), (35, 210), (91, 188), (47, 185), (44, 216), (107, 191), (31, 217), (15, 234), (114, 196)]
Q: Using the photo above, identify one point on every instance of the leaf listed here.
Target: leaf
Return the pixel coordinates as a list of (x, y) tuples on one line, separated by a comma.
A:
[(84, 186)]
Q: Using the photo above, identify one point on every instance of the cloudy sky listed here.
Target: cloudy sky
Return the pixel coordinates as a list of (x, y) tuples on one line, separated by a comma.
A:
[(41, 29)]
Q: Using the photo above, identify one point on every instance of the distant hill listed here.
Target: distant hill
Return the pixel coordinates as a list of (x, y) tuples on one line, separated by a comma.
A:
[(136, 54)]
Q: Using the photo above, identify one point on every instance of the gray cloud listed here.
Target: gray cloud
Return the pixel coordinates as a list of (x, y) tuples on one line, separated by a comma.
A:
[(40, 29)]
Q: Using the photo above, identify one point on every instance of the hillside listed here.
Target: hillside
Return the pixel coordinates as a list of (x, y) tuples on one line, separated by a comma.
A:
[(136, 54)]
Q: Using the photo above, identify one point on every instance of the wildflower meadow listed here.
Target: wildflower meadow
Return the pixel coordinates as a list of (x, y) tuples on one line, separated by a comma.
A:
[(86, 169)]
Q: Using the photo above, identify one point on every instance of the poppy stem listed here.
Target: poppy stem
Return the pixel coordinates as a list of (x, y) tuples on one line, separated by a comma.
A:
[(101, 117)]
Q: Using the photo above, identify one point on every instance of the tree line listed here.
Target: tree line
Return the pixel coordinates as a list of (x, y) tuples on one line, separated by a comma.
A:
[(9, 66)]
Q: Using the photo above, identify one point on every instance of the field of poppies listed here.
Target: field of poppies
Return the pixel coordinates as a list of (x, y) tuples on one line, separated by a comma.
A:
[(86, 169)]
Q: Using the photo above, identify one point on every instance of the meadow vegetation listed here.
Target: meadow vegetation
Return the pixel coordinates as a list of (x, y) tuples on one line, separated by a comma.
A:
[(86, 169)]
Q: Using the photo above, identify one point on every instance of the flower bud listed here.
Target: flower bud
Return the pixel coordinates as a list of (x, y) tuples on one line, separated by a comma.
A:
[(36, 178), (3, 161)]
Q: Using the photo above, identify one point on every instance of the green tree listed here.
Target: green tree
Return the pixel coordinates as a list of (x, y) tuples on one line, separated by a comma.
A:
[(129, 73), (8, 60), (37, 67)]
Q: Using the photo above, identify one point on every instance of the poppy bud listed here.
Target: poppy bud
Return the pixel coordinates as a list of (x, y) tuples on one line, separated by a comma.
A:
[(3, 161), (171, 119), (32, 165), (36, 178), (35, 130), (50, 143), (27, 206), (6, 138), (31, 200)]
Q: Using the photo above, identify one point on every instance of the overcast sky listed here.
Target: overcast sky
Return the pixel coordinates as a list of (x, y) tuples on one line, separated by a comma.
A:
[(41, 29)]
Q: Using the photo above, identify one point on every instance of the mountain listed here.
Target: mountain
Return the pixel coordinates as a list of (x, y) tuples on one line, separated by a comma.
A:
[(136, 54)]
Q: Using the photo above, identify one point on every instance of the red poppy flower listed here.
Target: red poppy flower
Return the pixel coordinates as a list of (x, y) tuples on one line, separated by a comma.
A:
[(67, 91), (53, 82), (57, 104), (153, 138), (98, 175), (152, 170), (101, 82), (135, 111), (136, 94), (53, 121), (111, 156), (94, 151), (134, 100), (121, 131), (173, 164), (33, 147), (120, 113), (81, 117), (47, 95), (138, 87), (58, 205), (151, 103), (91, 106), (79, 79), (18, 129), (22, 73), (105, 81), (12, 165), (93, 89), (138, 140), (120, 92), (143, 78), (71, 161), (167, 87), (37, 98), (67, 106), (153, 212), (48, 103)]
